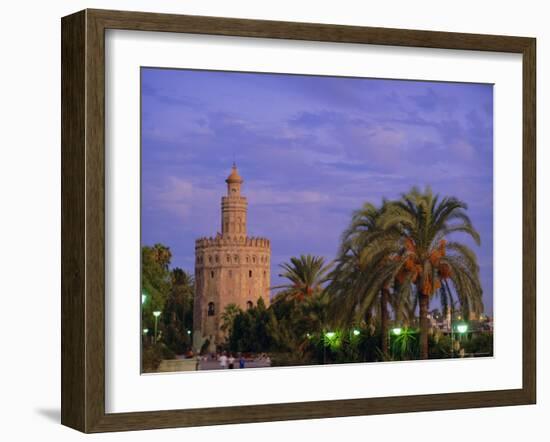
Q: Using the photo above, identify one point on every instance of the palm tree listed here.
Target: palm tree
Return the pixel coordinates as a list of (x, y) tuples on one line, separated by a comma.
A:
[(177, 313), (306, 275), (360, 283), (427, 259), (228, 317)]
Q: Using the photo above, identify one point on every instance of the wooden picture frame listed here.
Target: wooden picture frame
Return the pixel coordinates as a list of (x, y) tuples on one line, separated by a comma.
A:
[(83, 220)]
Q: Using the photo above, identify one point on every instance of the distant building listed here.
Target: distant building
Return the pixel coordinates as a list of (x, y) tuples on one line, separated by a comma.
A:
[(230, 268)]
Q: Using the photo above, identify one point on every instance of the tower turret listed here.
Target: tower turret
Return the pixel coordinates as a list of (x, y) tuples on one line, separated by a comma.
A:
[(234, 206)]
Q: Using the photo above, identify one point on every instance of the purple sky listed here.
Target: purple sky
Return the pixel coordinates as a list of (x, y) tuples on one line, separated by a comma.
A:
[(311, 150)]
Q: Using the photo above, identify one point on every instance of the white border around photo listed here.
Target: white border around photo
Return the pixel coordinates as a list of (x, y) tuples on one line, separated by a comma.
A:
[(127, 390)]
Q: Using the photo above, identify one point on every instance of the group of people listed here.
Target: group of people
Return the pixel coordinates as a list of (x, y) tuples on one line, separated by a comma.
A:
[(229, 361)]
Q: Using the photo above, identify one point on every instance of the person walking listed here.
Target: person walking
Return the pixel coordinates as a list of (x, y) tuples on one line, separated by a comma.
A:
[(241, 361), (231, 361), (223, 361)]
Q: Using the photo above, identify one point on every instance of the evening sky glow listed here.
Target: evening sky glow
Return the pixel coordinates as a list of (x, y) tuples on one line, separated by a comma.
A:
[(311, 150)]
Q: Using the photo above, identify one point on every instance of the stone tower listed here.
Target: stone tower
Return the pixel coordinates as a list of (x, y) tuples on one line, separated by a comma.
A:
[(230, 268)]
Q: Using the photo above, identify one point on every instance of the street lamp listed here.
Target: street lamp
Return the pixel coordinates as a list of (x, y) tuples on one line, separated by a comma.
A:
[(462, 328), (396, 331), (143, 298), (145, 331), (156, 314), (328, 337), (356, 332)]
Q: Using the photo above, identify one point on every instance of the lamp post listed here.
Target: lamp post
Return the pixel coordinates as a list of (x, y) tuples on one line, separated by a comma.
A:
[(462, 329), (145, 331), (156, 314), (396, 331), (328, 336)]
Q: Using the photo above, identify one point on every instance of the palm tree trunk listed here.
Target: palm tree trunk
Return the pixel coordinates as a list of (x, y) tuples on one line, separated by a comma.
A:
[(384, 320), (424, 305)]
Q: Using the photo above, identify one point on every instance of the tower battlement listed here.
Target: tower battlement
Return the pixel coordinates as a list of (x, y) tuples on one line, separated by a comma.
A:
[(223, 241)]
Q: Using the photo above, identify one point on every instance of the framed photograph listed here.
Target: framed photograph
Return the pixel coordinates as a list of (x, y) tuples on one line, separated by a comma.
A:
[(267, 220)]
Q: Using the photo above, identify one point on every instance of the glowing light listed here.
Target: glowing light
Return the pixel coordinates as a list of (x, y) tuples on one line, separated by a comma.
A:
[(462, 328), (356, 332), (145, 331), (396, 331), (330, 335), (156, 314)]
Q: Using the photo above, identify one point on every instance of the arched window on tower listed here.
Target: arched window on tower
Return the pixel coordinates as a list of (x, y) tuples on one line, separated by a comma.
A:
[(249, 305), (211, 309), (250, 273), (212, 273)]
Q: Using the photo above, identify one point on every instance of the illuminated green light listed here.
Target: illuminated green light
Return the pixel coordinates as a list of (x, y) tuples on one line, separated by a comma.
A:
[(462, 328), (156, 314), (356, 332), (330, 335), (143, 298), (396, 331), (145, 331)]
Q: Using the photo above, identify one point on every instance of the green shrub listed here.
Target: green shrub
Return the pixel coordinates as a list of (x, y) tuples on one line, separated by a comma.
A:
[(440, 346), (479, 344), (151, 357)]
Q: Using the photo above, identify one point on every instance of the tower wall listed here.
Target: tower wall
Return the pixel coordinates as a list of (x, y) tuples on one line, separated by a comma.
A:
[(234, 210), (228, 272)]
